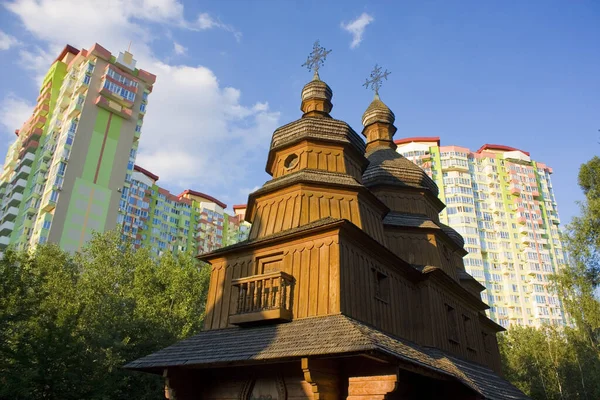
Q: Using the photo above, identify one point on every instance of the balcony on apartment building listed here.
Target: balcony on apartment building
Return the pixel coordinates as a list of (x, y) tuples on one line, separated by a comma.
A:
[(19, 185), (23, 172), (15, 198), (6, 227), (27, 159), (10, 213), (4, 241)]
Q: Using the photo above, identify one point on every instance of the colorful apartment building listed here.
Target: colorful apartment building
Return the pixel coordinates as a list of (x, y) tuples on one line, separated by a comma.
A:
[(191, 221), (502, 203), (64, 174)]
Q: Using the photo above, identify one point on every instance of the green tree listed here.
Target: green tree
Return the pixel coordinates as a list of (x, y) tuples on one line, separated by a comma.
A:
[(548, 363), (576, 284), (69, 323)]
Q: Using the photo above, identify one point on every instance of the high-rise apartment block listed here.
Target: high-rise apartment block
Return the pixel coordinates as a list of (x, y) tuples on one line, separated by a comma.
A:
[(64, 175), (503, 204), (191, 221)]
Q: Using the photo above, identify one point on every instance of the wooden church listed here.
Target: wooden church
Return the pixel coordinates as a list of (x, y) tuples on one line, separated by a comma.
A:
[(349, 286)]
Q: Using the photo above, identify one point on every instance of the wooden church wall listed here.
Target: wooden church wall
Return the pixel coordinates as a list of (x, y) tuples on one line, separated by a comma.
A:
[(452, 324), (314, 264), (302, 204), (316, 156), (375, 292)]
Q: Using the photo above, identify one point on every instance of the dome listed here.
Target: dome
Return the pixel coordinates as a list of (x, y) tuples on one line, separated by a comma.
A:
[(378, 112), (316, 89), (387, 167)]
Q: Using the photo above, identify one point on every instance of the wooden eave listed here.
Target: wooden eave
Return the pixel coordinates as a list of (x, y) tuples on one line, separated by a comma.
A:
[(484, 320), (434, 199), (307, 183), (437, 232), (437, 275)]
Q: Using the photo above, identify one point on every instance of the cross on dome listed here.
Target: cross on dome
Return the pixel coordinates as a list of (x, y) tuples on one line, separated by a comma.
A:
[(316, 59), (376, 79)]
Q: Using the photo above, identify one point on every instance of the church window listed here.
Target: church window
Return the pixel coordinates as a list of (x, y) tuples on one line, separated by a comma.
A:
[(382, 286), (452, 324), (468, 336), (291, 161)]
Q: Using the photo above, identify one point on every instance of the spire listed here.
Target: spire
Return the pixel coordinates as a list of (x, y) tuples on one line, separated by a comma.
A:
[(316, 95), (378, 119)]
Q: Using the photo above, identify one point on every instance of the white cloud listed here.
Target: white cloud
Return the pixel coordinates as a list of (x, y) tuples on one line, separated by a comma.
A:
[(14, 111), (7, 41), (179, 49), (197, 133), (205, 21), (357, 28)]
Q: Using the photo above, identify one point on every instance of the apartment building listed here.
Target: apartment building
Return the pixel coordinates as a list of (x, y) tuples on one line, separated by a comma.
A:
[(153, 217), (64, 174), (503, 204)]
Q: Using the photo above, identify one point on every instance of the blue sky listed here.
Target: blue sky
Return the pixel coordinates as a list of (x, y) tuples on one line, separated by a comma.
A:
[(523, 74)]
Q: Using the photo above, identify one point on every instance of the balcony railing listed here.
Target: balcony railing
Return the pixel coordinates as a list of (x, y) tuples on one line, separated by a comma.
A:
[(263, 297)]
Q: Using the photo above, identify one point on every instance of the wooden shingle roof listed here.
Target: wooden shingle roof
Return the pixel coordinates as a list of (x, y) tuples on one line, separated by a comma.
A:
[(388, 167), (306, 338)]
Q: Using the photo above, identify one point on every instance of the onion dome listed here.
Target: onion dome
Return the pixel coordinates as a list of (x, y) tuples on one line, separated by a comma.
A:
[(316, 98), (378, 112), (388, 167)]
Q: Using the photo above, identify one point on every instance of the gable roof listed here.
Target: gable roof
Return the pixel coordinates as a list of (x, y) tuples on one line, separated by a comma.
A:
[(304, 338)]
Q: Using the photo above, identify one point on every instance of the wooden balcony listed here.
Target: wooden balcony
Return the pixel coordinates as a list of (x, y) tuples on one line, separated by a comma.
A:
[(266, 297)]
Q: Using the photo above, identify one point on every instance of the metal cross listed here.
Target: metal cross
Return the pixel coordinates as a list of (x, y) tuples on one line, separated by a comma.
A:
[(316, 59), (376, 79)]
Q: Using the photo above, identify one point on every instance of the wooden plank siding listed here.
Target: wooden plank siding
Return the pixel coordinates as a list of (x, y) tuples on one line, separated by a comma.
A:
[(332, 158), (314, 264), (397, 314), (301, 204)]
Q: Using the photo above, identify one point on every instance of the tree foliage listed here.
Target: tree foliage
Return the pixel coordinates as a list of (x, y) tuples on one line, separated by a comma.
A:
[(551, 363), (68, 323)]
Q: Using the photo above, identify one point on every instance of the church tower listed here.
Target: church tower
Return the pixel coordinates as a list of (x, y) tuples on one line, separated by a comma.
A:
[(348, 286)]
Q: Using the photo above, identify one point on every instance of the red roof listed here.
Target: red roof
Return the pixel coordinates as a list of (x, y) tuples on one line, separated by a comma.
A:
[(240, 206), (419, 139), (200, 194), (501, 147), (68, 49), (145, 172)]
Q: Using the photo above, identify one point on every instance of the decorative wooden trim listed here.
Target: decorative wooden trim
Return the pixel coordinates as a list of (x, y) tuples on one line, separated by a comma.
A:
[(247, 389), (323, 377)]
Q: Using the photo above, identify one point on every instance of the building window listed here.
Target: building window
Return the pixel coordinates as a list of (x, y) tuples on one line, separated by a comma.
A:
[(382, 286), (485, 339), (452, 324), (468, 336)]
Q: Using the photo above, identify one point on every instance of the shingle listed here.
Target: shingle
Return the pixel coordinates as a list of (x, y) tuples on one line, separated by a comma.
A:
[(422, 221), (305, 337), (317, 128), (386, 166), (291, 231), (454, 235), (308, 175), (409, 220)]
